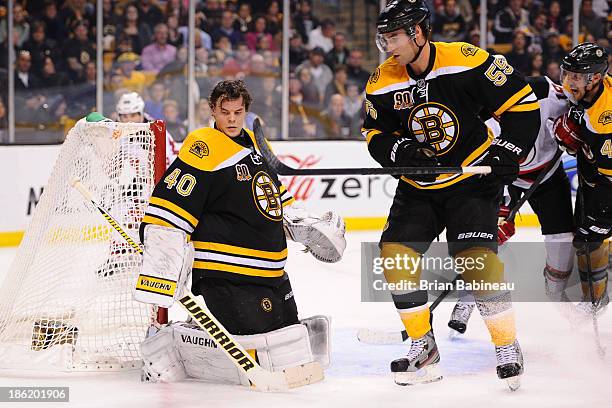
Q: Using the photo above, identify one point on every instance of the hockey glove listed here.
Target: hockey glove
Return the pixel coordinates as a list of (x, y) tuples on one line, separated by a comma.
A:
[(407, 152), (567, 133), (503, 157)]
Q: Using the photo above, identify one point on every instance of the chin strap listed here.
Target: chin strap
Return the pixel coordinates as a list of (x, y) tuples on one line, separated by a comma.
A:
[(420, 47)]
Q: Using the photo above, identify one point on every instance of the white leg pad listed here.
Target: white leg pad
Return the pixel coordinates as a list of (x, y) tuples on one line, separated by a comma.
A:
[(162, 362), (319, 329)]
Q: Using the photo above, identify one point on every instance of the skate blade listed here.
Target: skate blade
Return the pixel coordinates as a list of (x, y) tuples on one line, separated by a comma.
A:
[(428, 374), (514, 383)]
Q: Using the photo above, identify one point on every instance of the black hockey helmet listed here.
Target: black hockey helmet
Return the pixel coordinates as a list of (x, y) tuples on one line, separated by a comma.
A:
[(404, 14), (586, 58)]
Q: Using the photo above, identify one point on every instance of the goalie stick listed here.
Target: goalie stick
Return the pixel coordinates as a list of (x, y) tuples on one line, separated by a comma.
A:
[(282, 169), (371, 336), (263, 380)]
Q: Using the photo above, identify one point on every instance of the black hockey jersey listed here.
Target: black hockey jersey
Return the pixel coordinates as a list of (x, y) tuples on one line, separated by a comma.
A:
[(224, 196), (595, 120), (442, 105)]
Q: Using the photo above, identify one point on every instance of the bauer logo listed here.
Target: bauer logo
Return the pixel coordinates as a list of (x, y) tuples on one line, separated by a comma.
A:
[(475, 234), (199, 148)]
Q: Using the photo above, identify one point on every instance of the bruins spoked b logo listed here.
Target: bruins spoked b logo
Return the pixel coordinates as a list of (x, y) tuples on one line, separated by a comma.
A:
[(267, 196), (266, 304), (436, 124)]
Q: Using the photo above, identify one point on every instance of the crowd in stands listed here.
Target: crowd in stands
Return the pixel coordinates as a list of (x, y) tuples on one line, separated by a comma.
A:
[(145, 45)]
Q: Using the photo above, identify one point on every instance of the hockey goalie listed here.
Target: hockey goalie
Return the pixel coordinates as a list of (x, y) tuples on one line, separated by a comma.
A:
[(219, 219)]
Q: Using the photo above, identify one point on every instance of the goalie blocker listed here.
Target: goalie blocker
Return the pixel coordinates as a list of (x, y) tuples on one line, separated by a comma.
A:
[(181, 350)]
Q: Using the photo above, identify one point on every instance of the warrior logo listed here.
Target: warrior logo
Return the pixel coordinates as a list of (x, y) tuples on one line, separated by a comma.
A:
[(199, 148), (267, 196), (436, 124), (605, 117)]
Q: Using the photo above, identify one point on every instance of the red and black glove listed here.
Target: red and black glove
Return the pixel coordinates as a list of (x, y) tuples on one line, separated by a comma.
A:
[(567, 133), (505, 228)]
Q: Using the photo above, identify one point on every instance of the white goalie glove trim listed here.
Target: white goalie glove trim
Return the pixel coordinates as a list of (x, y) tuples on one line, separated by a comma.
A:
[(322, 235)]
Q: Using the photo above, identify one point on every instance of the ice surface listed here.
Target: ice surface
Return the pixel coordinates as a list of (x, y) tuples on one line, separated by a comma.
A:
[(562, 368)]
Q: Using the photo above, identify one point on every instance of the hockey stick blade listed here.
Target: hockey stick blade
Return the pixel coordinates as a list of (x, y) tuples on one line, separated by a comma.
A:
[(262, 379), (283, 170)]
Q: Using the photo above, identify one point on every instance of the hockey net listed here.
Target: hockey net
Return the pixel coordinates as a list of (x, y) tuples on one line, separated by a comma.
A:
[(66, 303)]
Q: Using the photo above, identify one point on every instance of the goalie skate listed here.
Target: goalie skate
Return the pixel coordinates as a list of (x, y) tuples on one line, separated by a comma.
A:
[(510, 364), (459, 317), (420, 366)]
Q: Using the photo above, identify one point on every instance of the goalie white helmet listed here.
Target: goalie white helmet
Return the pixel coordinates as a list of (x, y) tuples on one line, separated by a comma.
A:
[(130, 103)]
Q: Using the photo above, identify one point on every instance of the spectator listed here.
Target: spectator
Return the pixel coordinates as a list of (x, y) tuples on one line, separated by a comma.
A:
[(553, 71), (304, 21), (25, 80), (339, 53), (518, 57), (82, 97), (336, 122), (302, 119), (154, 105), (56, 30), (77, 10), (509, 19), (78, 51), (139, 34), (238, 66), (258, 30), (538, 30), (174, 125), (536, 67), (110, 21), (321, 73), (354, 108), (591, 22), (297, 52), (156, 55), (41, 47), (175, 8), (267, 106), (202, 38), (226, 29), (356, 73), (203, 115), (149, 13), (132, 80), (449, 25), (212, 10), (322, 36), (244, 19), (552, 47), (49, 76), (338, 85), (20, 25), (554, 17), (274, 17), (27, 97), (175, 36), (467, 11), (3, 122), (311, 95)]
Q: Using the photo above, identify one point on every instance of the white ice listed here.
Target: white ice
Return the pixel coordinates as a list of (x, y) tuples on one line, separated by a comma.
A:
[(562, 368)]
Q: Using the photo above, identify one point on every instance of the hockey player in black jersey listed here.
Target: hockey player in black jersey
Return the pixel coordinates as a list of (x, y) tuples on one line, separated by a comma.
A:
[(221, 200), (422, 108), (586, 131)]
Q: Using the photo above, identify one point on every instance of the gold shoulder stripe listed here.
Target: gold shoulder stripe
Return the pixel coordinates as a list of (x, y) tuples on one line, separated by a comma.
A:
[(206, 148), (389, 73), (599, 116), (513, 100), (605, 172), (150, 219), (458, 54), (175, 209)]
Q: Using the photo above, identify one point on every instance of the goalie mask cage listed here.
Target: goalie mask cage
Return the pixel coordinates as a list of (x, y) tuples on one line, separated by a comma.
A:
[(66, 303)]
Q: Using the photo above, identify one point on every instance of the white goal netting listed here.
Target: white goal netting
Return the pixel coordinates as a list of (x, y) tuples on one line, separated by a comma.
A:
[(66, 302)]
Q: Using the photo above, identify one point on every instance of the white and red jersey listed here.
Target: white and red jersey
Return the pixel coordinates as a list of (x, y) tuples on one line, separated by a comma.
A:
[(553, 103), (171, 147)]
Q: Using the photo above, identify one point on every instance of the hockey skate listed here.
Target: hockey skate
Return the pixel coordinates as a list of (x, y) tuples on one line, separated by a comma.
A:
[(459, 317), (420, 366), (510, 364), (586, 309)]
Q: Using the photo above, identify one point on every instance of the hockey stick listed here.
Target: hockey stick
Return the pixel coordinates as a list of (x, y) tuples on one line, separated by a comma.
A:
[(600, 349), (379, 337), (283, 170), (263, 380)]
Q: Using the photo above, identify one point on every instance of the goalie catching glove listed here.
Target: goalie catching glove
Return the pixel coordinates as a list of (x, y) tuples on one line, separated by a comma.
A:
[(322, 235), (166, 265)]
